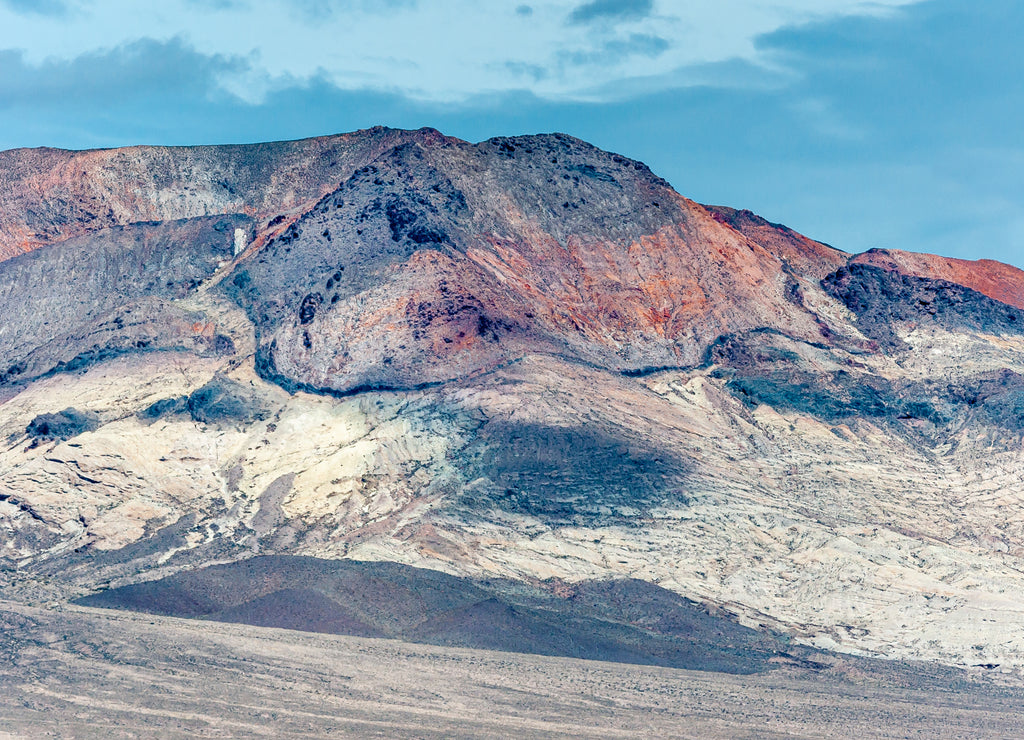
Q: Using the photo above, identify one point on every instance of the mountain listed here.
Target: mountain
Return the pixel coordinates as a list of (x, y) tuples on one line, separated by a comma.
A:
[(525, 359)]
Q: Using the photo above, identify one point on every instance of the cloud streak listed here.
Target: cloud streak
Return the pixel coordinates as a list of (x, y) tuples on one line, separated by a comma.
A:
[(598, 10), (143, 68), (440, 52), (36, 7)]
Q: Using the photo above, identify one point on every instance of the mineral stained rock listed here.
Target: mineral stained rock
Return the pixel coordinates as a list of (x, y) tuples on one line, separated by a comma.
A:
[(524, 359)]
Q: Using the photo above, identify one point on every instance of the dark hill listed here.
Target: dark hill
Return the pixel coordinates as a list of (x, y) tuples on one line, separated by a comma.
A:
[(623, 620)]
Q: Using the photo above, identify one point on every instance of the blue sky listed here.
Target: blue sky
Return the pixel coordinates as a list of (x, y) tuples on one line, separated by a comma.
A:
[(892, 123)]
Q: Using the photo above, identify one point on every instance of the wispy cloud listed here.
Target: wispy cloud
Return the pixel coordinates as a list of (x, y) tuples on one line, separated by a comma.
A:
[(36, 7), (143, 69), (617, 50), (597, 10), (448, 52)]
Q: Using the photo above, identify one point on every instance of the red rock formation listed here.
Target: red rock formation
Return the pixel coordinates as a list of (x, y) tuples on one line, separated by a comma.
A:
[(48, 195), (512, 267), (400, 258), (805, 256), (1001, 282)]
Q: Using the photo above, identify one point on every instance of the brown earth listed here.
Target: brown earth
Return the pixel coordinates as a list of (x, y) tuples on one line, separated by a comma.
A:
[(79, 672)]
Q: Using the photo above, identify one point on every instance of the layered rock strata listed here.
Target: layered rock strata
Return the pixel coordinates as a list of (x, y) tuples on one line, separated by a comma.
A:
[(524, 358)]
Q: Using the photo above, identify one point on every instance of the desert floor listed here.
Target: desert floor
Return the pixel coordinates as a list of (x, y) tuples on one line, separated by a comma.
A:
[(79, 672)]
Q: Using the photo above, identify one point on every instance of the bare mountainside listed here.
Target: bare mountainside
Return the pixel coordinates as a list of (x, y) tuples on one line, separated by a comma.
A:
[(525, 359)]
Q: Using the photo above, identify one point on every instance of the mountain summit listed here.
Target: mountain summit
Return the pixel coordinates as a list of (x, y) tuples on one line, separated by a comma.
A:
[(525, 359)]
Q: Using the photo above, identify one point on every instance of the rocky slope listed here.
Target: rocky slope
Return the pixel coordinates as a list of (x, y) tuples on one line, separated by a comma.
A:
[(622, 621), (996, 280), (49, 195), (524, 359)]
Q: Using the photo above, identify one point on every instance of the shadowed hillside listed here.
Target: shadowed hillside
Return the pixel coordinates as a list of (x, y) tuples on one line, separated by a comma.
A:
[(619, 621)]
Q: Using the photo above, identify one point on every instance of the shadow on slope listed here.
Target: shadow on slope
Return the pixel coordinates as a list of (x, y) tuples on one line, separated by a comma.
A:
[(623, 621), (571, 476)]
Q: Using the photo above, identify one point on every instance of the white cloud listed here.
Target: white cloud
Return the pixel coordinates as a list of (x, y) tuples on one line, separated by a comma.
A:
[(440, 50)]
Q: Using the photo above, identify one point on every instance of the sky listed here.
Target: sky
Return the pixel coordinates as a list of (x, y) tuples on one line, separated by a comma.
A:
[(888, 123)]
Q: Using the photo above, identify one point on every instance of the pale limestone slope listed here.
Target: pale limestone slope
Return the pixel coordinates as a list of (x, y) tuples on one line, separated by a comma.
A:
[(845, 534)]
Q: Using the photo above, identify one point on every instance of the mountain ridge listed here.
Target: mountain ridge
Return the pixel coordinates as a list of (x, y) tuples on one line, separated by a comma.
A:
[(524, 358)]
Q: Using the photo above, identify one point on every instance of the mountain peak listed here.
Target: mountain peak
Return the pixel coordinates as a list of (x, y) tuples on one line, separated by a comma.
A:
[(524, 358)]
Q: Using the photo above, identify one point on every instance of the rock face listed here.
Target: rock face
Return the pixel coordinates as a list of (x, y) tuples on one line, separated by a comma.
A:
[(805, 256), (49, 195), (62, 425), (993, 279), (441, 261), (524, 359), (884, 299), (115, 291)]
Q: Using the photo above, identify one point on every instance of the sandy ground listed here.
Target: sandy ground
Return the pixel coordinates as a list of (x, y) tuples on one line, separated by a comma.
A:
[(82, 673)]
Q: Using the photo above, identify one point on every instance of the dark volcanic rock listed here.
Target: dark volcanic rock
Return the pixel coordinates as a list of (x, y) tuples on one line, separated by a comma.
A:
[(225, 401), (1003, 283), (442, 259), (989, 399), (882, 297), (377, 217), (570, 476), (624, 621), (831, 396), (297, 608), (62, 425), (49, 195), (110, 293), (766, 368), (164, 407)]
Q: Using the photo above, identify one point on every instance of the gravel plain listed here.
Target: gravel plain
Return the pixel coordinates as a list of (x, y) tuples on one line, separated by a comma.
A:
[(74, 672)]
